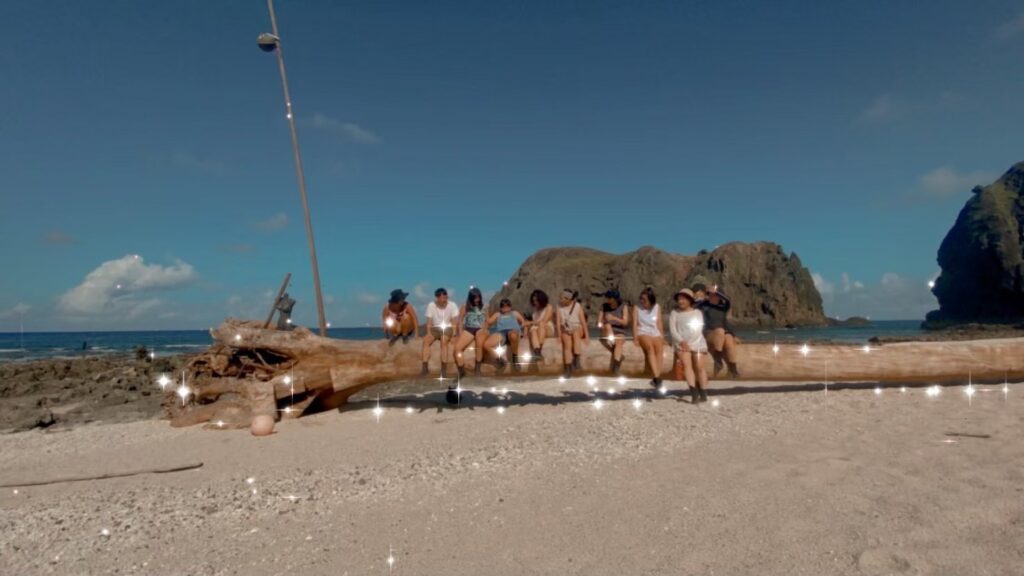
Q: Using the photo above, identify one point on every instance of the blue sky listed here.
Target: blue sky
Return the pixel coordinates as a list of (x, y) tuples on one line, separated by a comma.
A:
[(445, 142)]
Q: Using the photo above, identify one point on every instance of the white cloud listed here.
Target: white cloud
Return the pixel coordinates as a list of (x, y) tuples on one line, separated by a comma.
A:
[(367, 298), (881, 108), (115, 287), (353, 132), (275, 222), (944, 181), (887, 108), (1010, 28), (894, 297), (421, 292), (824, 286), (19, 309)]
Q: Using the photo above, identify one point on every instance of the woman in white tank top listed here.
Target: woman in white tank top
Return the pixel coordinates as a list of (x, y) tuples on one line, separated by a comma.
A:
[(571, 326), (648, 333)]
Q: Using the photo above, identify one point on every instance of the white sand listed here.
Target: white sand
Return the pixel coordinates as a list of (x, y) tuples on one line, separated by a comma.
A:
[(787, 482)]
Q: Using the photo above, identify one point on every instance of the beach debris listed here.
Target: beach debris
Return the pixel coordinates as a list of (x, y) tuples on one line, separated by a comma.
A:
[(105, 476)]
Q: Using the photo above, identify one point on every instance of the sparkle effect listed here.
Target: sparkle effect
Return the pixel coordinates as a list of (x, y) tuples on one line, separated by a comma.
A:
[(501, 409), (775, 349), (389, 322), (377, 410), (805, 350), (934, 391), (163, 381), (598, 404), (183, 391)]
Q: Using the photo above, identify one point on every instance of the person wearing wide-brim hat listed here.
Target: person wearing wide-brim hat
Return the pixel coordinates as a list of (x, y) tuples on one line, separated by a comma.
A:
[(613, 321), (399, 318), (686, 326)]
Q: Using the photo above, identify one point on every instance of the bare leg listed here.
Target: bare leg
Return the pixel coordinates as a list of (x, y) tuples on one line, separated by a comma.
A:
[(566, 348), (657, 353), (405, 326), (463, 342), (688, 369), (606, 333), (427, 341), (700, 367), (716, 342), (480, 343), (513, 342)]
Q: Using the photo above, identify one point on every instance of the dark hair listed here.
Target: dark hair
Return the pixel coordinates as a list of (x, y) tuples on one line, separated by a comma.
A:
[(649, 292), (474, 293), (540, 296), (439, 292), (505, 302), (699, 287)]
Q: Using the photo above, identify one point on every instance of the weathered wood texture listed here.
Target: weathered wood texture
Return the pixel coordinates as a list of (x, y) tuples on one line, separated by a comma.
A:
[(248, 368)]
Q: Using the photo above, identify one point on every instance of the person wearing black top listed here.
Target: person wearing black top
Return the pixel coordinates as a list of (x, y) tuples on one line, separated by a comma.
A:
[(722, 342)]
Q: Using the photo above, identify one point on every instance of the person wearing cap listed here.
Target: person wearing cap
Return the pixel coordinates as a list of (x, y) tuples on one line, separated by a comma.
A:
[(613, 321), (686, 325), (442, 317), (398, 318), (571, 327), (722, 341), (648, 332), (471, 330)]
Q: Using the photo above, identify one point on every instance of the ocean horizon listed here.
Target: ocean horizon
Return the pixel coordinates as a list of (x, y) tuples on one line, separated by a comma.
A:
[(15, 346)]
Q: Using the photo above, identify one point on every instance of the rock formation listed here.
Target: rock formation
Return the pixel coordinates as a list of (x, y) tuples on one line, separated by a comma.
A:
[(768, 288), (982, 257)]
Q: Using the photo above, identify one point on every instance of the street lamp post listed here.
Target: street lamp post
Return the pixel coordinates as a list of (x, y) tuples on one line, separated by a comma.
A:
[(272, 43)]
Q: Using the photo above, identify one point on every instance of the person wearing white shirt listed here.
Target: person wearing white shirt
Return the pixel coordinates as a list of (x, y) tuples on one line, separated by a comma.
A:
[(648, 332), (686, 325), (442, 317)]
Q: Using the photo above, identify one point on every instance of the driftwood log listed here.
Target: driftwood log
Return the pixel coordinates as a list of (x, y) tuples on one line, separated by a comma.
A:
[(250, 370)]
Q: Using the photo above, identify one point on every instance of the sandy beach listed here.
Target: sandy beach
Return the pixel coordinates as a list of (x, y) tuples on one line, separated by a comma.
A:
[(775, 479)]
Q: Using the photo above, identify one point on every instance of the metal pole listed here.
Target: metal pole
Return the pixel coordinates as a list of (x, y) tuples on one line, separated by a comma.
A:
[(298, 171)]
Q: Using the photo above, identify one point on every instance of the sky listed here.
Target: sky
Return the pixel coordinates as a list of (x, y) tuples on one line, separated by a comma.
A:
[(147, 181)]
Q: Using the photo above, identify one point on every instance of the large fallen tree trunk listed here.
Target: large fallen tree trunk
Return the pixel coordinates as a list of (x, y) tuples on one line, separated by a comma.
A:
[(250, 370)]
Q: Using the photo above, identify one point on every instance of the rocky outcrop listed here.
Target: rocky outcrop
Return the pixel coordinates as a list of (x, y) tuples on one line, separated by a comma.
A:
[(768, 288), (982, 257)]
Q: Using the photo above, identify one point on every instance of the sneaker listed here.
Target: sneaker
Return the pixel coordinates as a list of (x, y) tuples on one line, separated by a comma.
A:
[(425, 370), (655, 384), (694, 396), (392, 340), (462, 371), (576, 363), (703, 395), (718, 366), (734, 370)]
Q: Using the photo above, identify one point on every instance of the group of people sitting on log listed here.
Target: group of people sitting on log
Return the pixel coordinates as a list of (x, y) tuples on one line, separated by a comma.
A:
[(698, 325)]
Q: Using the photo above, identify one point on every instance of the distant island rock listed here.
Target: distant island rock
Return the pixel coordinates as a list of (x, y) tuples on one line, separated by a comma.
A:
[(851, 321), (768, 288), (982, 258)]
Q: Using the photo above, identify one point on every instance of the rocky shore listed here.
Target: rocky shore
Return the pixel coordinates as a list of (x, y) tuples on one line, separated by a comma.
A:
[(68, 392)]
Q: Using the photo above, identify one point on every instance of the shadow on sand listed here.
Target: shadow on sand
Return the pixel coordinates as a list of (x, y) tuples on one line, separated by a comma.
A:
[(484, 398)]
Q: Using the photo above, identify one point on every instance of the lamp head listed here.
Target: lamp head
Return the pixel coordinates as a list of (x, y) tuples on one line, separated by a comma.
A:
[(267, 42)]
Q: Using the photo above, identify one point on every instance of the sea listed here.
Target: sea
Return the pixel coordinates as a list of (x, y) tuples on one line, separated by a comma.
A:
[(17, 346)]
